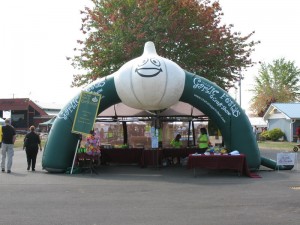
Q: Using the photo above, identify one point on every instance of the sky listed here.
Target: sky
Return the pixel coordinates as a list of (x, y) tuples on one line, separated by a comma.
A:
[(276, 24), (37, 35)]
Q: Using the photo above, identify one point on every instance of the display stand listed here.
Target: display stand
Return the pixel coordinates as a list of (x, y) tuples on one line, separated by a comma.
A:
[(86, 161), (78, 142)]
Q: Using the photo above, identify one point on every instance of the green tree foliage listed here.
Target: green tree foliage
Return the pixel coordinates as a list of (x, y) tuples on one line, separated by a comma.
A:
[(188, 32), (276, 82)]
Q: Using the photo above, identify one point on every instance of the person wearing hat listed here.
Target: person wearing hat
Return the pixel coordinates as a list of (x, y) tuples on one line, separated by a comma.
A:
[(8, 140)]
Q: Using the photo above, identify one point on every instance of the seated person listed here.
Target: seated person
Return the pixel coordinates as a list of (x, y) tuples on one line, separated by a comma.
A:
[(176, 143)]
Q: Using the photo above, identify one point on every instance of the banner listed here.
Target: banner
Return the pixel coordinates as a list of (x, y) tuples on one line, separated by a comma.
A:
[(86, 112)]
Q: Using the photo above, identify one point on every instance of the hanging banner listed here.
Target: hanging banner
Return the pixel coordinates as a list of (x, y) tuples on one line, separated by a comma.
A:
[(86, 112)]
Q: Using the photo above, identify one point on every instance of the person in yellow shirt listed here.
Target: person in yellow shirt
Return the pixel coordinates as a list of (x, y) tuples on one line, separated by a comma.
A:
[(203, 141), (176, 142)]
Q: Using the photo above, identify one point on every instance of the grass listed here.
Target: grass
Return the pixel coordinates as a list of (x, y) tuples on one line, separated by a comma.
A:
[(20, 140), (276, 145)]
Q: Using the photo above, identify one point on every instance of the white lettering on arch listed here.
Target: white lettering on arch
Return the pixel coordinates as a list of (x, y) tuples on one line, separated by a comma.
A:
[(71, 107), (221, 100)]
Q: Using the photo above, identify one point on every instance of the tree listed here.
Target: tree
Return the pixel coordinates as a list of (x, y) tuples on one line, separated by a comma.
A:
[(188, 32), (276, 82)]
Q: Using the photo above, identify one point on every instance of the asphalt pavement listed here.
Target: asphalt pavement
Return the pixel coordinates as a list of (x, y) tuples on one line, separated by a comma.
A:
[(130, 195)]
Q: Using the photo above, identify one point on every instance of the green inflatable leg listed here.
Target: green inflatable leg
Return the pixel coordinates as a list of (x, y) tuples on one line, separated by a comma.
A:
[(229, 117), (273, 165), (61, 145)]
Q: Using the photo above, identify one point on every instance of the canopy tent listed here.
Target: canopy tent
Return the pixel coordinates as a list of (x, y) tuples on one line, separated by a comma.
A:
[(176, 112), (125, 116), (180, 109), (48, 124)]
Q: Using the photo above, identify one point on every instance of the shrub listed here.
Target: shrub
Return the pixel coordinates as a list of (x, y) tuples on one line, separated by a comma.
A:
[(265, 135), (273, 134)]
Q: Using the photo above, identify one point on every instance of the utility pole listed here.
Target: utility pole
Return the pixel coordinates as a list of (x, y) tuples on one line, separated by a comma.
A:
[(240, 88), (240, 92)]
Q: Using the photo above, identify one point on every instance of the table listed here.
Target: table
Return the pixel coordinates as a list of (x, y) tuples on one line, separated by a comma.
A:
[(223, 162), (175, 152), (121, 155), (86, 161), (155, 157), (152, 157)]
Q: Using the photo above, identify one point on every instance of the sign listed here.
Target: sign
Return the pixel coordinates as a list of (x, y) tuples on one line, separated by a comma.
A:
[(86, 112), (154, 138), (154, 142), (286, 159)]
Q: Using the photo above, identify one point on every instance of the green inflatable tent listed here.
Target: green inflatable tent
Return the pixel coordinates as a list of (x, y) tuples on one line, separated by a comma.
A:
[(191, 88)]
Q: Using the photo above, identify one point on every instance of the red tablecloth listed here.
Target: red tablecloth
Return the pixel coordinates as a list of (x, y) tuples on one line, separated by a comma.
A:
[(229, 162), (122, 155), (177, 152), (152, 157)]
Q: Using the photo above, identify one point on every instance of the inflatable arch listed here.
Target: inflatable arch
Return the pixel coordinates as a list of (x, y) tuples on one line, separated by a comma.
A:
[(151, 82)]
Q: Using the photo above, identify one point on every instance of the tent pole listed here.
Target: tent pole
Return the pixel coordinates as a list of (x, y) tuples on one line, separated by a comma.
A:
[(193, 129), (189, 132), (125, 133)]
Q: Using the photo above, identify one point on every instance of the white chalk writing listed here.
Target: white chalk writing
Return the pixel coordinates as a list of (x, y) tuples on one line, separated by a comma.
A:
[(213, 108)]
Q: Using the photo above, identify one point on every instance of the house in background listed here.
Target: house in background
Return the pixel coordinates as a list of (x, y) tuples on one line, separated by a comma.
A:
[(52, 109), (259, 122), (285, 116), (24, 112)]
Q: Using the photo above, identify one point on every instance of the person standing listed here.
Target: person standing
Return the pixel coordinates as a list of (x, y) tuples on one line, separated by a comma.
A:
[(255, 132), (298, 134), (0, 136), (32, 142), (203, 141), (8, 140)]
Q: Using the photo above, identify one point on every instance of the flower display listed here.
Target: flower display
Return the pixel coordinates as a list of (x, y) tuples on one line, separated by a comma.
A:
[(92, 145)]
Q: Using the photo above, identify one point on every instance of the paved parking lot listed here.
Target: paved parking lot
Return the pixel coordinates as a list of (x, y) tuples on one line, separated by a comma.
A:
[(149, 196)]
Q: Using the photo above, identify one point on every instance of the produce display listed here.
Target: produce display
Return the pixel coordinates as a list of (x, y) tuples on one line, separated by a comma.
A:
[(217, 150)]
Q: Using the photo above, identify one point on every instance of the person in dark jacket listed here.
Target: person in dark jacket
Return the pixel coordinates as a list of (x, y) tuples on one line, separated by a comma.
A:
[(32, 142)]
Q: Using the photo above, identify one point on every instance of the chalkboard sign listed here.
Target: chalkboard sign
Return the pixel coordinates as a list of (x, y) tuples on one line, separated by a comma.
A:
[(86, 112)]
